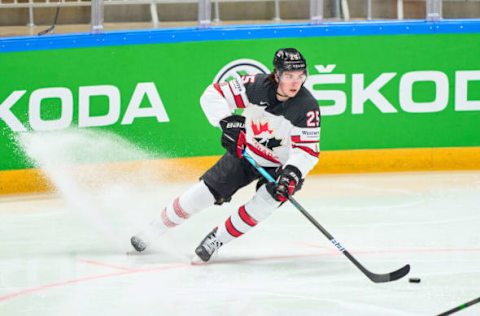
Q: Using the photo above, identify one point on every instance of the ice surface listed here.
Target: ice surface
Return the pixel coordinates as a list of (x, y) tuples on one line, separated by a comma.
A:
[(62, 255)]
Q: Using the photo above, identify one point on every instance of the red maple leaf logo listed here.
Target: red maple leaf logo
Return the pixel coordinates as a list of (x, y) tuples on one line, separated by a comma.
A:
[(260, 128)]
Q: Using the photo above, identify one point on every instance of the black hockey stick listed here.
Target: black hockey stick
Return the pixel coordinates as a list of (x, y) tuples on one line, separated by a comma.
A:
[(459, 308), (377, 278), (48, 30)]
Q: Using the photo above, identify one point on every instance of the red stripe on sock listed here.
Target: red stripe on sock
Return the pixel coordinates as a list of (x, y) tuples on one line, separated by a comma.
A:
[(232, 230), (245, 217), (166, 220), (179, 210)]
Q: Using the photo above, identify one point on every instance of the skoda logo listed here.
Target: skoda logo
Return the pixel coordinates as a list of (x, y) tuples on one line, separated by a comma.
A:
[(240, 67)]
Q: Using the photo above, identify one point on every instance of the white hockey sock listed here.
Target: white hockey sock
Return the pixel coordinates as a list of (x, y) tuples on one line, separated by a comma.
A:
[(195, 199), (247, 216)]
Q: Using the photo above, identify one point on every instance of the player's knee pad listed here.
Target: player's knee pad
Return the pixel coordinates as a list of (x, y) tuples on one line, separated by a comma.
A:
[(219, 199), (197, 198), (262, 204)]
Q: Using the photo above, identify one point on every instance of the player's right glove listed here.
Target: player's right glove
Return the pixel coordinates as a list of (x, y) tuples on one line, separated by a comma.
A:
[(288, 182), (233, 134)]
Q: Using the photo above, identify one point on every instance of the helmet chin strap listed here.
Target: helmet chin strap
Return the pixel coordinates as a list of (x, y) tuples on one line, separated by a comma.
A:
[(282, 95)]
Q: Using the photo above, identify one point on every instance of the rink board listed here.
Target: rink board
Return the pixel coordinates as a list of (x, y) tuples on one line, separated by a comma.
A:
[(409, 89), (331, 162)]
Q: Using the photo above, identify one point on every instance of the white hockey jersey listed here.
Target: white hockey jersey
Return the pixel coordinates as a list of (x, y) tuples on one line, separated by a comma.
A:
[(277, 133)]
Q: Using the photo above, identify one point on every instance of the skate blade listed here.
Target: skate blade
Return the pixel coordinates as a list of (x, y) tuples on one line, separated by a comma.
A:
[(196, 261), (136, 253)]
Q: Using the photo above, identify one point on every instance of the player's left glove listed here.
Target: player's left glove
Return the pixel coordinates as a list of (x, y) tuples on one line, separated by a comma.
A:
[(289, 181), (233, 136)]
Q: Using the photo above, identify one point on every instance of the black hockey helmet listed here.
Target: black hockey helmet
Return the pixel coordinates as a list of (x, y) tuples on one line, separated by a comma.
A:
[(288, 59)]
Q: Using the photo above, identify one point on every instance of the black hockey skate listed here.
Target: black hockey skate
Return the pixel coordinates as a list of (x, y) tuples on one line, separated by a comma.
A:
[(209, 246), (138, 243)]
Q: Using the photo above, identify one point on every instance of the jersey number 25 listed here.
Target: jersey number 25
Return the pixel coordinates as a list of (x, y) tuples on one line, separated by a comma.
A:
[(313, 118)]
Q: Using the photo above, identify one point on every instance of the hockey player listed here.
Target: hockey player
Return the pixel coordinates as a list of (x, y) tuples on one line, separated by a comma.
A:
[(279, 128)]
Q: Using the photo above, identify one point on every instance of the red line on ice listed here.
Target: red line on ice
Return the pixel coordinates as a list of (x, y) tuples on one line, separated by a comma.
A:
[(85, 279), (184, 265)]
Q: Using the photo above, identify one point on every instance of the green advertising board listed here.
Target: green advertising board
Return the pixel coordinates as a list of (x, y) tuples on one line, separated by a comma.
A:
[(375, 91)]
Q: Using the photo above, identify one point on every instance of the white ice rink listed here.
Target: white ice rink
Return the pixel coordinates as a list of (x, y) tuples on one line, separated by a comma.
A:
[(66, 254)]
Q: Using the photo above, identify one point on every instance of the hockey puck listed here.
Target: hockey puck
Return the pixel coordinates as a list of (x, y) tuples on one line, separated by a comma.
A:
[(414, 280)]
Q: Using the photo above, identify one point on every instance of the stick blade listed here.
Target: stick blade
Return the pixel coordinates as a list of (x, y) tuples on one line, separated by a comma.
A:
[(388, 277)]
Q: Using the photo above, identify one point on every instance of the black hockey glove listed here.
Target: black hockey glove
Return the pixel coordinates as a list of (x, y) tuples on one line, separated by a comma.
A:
[(233, 136), (288, 182)]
